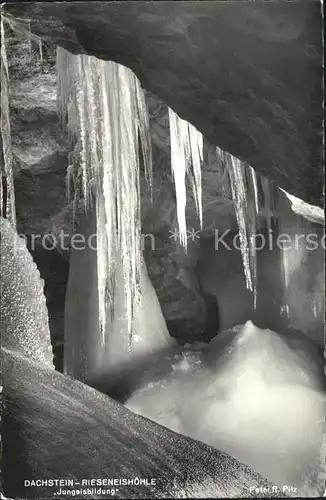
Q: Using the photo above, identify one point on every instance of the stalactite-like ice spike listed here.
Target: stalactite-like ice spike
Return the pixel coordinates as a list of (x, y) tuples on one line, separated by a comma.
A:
[(144, 131), (239, 196), (186, 162), (178, 165), (81, 106)]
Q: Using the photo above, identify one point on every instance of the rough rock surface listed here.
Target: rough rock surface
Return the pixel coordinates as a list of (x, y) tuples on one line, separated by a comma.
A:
[(96, 436), (24, 323), (39, 144)]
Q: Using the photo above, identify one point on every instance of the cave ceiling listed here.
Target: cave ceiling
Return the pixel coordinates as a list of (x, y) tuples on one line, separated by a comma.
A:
[(247, 75)]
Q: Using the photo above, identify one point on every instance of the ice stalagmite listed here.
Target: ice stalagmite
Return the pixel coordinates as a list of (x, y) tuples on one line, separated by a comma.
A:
[(104, 107), (186, 158), (7, 169)]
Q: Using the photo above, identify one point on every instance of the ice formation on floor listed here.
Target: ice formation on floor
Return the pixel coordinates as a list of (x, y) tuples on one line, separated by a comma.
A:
[(251, 393)]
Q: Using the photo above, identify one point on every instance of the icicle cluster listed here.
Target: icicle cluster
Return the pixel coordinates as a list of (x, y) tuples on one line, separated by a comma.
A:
[(253, 196), (186, 159), (104, 107), (7, 167)]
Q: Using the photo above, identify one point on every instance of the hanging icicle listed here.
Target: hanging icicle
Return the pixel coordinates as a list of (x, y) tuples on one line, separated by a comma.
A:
[(269, 206), (104, 103), (245, 219), (82, 108), (252, 213), (40, 49), (186, 159), (2, 207), (110, 160), (146, 141), (178, 166), (6, 135), (254, 181), (196, 151)]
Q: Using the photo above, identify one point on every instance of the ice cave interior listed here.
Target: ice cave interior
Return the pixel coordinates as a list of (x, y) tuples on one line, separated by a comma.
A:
[(171, 225)]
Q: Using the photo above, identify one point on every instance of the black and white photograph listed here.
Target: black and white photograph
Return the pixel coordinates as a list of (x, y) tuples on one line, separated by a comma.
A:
[(162, 235)]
